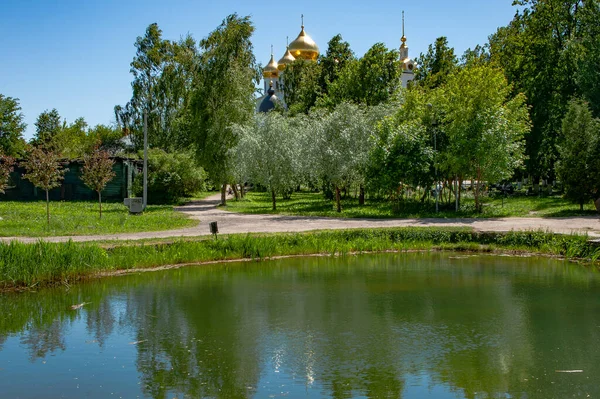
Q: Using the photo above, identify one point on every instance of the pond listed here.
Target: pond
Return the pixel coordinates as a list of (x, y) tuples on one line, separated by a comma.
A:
[(421, 325)]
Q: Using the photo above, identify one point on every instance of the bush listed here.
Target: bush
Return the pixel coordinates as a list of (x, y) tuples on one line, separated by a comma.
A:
[(170, 177)]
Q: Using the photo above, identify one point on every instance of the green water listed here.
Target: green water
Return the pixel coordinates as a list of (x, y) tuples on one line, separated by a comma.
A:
[(399, 326)]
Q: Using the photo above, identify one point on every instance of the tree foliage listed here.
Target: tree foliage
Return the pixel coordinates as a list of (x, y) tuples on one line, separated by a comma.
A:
[(6, 167), (579, 150), (44, 170), (12, 126), (223, 94), (436, 65), (97, 172), (547, 53), (268, 153), (47, 126), (485, 127), (163, 72)]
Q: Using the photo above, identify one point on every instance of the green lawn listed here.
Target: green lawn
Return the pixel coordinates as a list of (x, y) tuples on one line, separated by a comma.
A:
[(81, 218), (313, 204)]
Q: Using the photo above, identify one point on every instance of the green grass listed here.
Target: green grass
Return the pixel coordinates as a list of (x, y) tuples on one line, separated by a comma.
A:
[(81, 218), (29, 265), (313, 204)]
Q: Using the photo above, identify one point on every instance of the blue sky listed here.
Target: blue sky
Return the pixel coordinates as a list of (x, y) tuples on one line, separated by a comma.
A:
[(74, 55)]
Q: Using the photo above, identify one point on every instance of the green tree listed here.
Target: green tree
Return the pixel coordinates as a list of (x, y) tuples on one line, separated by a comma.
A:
[(538, 52), (485, 127), (338, 146), (579, 150), (47, 126), (223, 95), (269, 153), (44, 169), (163, 72), (302, 88), (333, 62), (371, 80), (437, 64), (71, 140), (6, 167), (402, 154), (12, 126), (97, 172)]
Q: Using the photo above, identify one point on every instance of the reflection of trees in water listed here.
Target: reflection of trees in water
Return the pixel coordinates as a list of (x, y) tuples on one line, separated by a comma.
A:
[(356, 326)]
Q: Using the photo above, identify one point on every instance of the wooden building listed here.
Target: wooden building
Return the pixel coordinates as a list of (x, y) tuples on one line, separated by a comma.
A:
[(72, 187)]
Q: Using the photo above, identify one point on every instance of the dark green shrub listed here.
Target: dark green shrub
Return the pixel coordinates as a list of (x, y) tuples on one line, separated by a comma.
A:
[(170, 177)]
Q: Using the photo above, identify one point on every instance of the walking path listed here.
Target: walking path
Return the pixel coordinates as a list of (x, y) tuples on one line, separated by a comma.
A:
[(206, 211)]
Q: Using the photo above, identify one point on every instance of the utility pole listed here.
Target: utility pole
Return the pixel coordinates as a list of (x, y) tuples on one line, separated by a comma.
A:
[(145, 194)]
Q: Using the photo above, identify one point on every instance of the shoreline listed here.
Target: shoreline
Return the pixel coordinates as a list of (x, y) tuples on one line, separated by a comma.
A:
[(32, 266)]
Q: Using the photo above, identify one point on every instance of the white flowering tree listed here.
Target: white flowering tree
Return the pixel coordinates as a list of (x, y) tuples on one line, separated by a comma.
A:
[(268, 153)]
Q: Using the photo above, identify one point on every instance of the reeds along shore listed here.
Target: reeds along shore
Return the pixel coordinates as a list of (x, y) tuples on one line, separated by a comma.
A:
[(42, 263)]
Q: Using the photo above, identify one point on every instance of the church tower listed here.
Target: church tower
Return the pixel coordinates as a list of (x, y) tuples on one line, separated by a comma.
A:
[(408, 65), (303, 47)]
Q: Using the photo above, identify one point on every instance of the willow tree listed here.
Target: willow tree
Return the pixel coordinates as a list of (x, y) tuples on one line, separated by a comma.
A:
[(269, 153), (484, 125), (223, 95), (339, 146)]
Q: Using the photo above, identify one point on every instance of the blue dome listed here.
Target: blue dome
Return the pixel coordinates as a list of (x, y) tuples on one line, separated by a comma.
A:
[(268, 103)]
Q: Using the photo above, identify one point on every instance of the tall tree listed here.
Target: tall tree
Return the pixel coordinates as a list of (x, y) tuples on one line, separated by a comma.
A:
[(302, 88), (223, 95), (97, 172), (371, 80), (333, 62), (12, 126), (537, 53), (579, 149), (485, 127), (437, 64), (47, 126), (44, 169), (163, 72)]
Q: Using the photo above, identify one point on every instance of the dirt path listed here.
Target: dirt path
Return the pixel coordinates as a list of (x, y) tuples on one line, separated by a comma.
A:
[(206, 211)]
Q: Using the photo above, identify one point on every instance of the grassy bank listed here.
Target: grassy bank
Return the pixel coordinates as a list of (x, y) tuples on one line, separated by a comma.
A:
[(313, 204), (81, 218), (27, 265)]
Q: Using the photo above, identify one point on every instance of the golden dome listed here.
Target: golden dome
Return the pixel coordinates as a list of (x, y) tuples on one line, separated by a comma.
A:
[(287, 59), (271, 71), (304, 46)]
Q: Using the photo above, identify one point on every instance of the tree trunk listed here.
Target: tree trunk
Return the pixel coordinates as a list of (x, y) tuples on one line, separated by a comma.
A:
[(361, 196), (47, 208), (337, 199), (100, 202), (224, 194), (273, 199), (236, 193), (581, 206)]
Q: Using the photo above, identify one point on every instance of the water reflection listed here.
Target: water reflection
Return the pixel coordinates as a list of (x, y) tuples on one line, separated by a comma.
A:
[(410, 326)]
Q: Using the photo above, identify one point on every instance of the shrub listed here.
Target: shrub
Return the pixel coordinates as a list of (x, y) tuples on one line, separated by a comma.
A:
[(170, 177)]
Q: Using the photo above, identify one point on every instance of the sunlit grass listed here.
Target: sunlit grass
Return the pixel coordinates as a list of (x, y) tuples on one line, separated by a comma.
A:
[(26, 265), (81, 218), (314, 204)]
